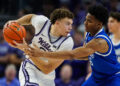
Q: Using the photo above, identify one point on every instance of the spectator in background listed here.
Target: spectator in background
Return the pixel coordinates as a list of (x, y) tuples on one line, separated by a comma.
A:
[(114, 5), (78, 38), (114, 28), (10, 77), (66, 75), (24, 11)]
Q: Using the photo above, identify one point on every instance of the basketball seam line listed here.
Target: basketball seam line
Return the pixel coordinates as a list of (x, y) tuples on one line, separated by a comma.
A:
[(20, 29), (15, 32), (22, 32), (11, 38)]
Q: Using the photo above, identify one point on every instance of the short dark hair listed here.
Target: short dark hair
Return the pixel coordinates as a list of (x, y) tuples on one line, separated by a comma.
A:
[(99, 12), (60, 14), (115, 15)]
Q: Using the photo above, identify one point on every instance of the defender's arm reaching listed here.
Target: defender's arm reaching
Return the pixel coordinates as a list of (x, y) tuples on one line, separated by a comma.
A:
[(95, 45)]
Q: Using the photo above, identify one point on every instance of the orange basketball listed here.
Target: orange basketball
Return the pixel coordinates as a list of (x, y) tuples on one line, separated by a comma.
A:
[(15, 32)]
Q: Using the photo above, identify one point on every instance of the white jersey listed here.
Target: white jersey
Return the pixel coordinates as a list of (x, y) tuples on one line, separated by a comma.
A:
[(116, 47), (29, 73)]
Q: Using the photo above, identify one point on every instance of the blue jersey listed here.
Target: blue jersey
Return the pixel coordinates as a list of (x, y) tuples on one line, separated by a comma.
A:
[(103, 65), (117, 47)]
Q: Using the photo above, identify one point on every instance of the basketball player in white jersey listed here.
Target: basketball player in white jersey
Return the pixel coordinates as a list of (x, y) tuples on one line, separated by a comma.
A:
[(114, 28), (50, 35)]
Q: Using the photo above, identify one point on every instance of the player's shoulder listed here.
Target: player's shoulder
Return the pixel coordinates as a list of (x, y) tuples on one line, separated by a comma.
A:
[(42, 17), (67, 43), (39, 18), (68, 40)]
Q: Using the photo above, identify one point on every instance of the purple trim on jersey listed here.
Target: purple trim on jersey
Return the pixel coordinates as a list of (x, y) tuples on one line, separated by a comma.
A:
[(41, 29), (32, 64), (27, 83), (63, 41), (31, 84), (50, 38)]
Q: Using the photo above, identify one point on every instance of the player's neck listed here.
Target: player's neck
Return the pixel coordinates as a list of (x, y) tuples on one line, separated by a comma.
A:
[(95, 32), (54, 31)]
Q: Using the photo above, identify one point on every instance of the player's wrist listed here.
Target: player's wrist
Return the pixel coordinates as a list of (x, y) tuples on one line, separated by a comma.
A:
[(42, 53)]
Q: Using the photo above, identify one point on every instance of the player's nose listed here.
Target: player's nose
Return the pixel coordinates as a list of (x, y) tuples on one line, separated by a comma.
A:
[(70, 27)]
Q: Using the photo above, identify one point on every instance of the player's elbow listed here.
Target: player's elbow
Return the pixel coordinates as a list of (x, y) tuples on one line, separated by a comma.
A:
[(48, 69), (46, 72)]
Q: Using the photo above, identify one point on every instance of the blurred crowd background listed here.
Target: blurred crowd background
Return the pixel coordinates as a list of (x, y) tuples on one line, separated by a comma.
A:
[(70, 73)]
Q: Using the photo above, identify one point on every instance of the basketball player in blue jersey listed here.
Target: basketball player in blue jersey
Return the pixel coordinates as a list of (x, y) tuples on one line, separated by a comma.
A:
[(114, 28), (50, 35), (98, 48)]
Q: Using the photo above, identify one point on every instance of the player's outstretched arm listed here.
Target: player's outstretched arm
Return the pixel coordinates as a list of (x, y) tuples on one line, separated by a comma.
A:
[(99, 45), (25, 20)]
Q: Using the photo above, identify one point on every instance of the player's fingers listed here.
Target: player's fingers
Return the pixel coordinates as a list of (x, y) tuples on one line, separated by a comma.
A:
[(35, 46), (6, 24), (9, 23), (30, 48), (24, 41), (12, 45), (15, 43)]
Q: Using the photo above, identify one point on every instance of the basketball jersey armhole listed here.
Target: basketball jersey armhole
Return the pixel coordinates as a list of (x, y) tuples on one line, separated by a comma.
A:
[(109, 44), (63, 41), (41, 28)]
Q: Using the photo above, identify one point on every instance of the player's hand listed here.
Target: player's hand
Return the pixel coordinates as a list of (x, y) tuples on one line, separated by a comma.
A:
[(22, 46), (35, 52), (9, 23)]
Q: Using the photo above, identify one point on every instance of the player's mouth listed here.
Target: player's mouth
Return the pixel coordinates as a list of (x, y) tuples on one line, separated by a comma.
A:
[(86, 28), (67, 32)]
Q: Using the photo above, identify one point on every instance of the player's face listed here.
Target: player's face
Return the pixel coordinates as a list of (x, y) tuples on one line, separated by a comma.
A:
[(113, 25), (91, 24), (64, 26)]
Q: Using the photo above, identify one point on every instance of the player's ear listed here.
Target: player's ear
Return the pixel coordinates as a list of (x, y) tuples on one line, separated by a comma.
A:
[(57, 22), (99, 25)]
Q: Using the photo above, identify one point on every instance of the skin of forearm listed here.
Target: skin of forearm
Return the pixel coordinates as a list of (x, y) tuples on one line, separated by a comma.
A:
[(80, 53), (25, 20), (43, 66)]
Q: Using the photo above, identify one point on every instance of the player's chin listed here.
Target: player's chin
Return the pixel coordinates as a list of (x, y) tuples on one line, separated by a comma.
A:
[(87, 30), (110, 30), (65, 34)]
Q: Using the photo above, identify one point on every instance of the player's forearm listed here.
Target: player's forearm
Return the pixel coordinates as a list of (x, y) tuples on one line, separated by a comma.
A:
[(80, 53), (42, 65), (25, 20)]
